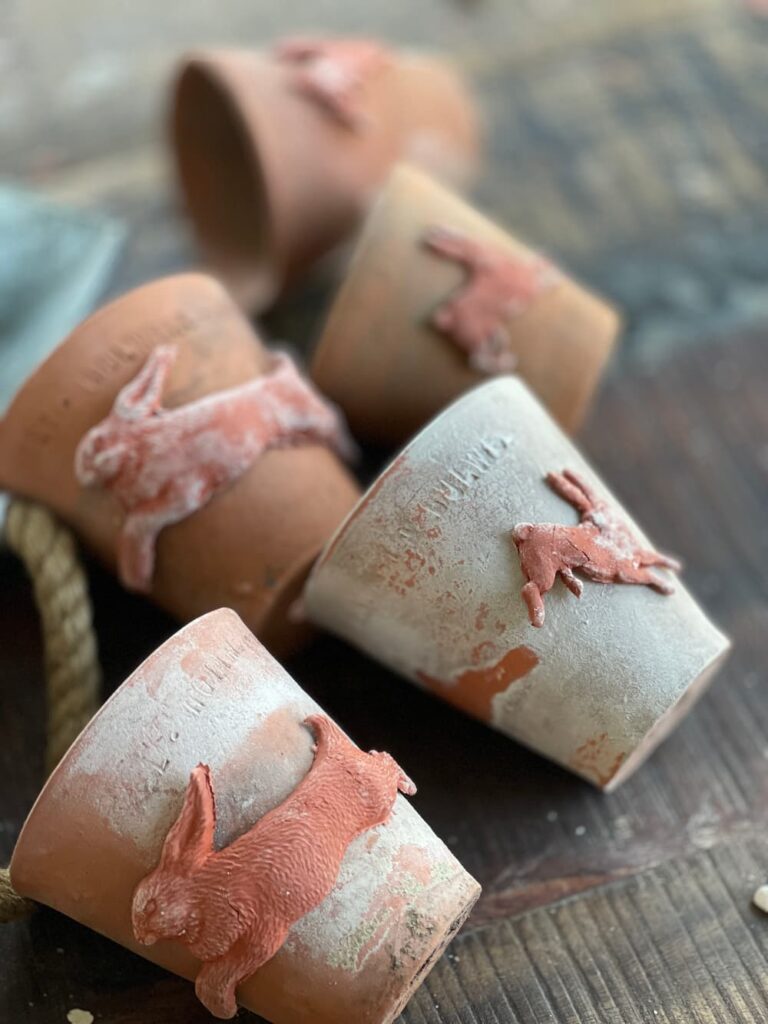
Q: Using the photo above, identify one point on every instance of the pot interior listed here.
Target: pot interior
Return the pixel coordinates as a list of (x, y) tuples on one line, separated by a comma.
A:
[(221, 174)]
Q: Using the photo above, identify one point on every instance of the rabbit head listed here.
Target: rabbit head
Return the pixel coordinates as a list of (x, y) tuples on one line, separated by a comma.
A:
[(166, 904), (107, 449), (522, 533), (164, 908), (102, 454)]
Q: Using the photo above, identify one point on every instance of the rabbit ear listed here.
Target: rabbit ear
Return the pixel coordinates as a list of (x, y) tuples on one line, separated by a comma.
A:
[(297, 48), (142, 396), (190, 839), (329, 738), (453, 245)]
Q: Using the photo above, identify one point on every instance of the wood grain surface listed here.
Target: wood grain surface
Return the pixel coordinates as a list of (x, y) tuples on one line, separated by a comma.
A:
[(630, 140)]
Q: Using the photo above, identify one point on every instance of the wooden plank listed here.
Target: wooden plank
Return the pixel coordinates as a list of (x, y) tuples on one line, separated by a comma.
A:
[(676, 945), (685, 448)]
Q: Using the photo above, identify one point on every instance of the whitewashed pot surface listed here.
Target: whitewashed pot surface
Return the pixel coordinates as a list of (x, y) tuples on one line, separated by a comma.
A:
[(424, 576), (213, 694)]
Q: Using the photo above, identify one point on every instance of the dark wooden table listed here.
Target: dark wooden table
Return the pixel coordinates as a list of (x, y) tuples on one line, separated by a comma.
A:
[(632, 142)]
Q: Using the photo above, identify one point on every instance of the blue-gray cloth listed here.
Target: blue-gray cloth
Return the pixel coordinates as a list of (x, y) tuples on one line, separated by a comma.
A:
[(54, 266)]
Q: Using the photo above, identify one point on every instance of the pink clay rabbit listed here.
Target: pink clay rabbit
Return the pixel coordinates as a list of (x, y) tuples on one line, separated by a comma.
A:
[(233, 907), (164, 464), (601, 547), (332, 72), (497, 288)]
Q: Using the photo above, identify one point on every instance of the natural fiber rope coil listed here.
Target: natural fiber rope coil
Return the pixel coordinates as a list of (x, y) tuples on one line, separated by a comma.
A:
[(50, 557)]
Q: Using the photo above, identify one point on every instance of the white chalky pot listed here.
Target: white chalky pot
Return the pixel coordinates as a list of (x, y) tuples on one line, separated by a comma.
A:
[(424, 576), (213, 694)]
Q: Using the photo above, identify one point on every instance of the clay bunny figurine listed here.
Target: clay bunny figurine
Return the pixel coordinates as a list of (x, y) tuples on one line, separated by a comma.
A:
[(333, 71), (601, 547), (164, 464), (233, 907), (498, 287)]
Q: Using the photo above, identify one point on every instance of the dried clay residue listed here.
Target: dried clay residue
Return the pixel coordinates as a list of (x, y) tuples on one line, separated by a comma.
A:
[(498, 287), (596, 760), (397, 917), (474, 689), (162, 465), (601, 547), (233, 908), (334, 72)]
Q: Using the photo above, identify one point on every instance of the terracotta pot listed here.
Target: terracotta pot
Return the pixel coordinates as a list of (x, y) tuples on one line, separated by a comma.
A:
[(275, 179), (427, 575), (211, 694), (249, 544), (385, 358)]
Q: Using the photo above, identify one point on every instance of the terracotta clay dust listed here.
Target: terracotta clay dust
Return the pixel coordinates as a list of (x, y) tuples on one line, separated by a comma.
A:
[(425, 575), (280, 153), (438, 297), (131, 805), (215, 517)]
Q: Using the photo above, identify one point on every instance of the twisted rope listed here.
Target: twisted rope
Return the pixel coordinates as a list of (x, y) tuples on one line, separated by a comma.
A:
[(48, 553), (12, 906)]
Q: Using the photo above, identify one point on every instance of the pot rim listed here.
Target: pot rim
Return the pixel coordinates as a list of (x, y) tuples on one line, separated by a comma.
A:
[(210, 67), (108, 309), (218, 614), (473, 394)]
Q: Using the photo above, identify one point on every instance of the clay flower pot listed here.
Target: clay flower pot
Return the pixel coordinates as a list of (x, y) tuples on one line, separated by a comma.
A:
[(145, 431), (279, 153), (437, 298), (122, 839), (460, 568)]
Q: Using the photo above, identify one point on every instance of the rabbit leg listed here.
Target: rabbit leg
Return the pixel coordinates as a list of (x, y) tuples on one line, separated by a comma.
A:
[(575, 585), (473, 323), (217, 980), (651, 557), (571, 488), (136, 547), (535, 603), (645, 578), (609, 573), (136, 543), (470, 315)]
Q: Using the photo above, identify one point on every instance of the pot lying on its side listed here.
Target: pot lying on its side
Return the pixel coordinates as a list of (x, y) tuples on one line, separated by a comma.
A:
[(437, 298), (461, 569), (183, 453), (309, 885), (280, 153)]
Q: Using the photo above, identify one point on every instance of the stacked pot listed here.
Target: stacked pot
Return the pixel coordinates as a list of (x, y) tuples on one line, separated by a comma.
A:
[(487, 563)]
